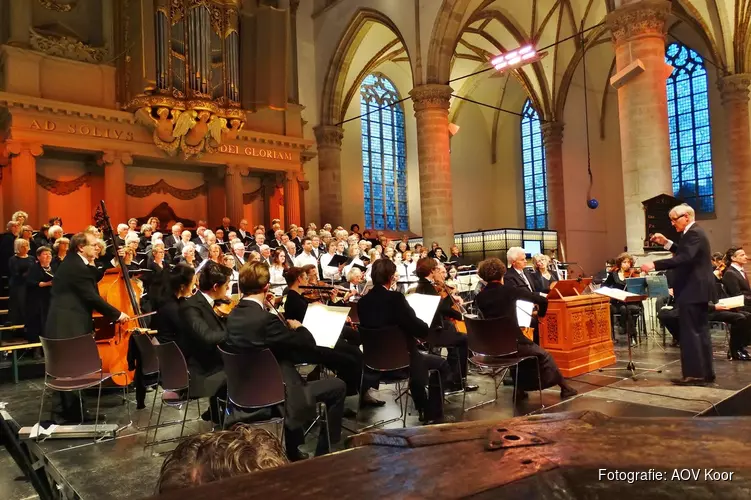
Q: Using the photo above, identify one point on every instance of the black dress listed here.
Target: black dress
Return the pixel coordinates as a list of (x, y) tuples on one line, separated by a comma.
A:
[(56, 261), (18, 269), (37, 301)]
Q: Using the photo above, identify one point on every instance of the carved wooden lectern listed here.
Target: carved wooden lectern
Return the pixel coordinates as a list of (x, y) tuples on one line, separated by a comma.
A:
[(576, 329)]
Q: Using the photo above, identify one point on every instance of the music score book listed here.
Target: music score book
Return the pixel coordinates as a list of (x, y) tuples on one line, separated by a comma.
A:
[(732, 302), (614, 293), (424, 306), (325, 323), (524, 313)]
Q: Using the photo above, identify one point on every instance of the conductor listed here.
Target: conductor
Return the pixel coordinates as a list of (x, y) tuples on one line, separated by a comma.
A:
[(692, 261)]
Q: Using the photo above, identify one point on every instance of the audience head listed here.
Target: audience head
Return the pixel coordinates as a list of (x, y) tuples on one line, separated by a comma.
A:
[(341, 246), (354, 228), (278, 258), (55, 232), (491, 269), (239, 249), (55, 221), (154, 222), (213, 456), (291, 248), (307, 245), (214, 252), (265, 251), (21, 217), (201, 231), (44, 256), (383, 273), (228, 260), (219, 234), (254, 256), (189, 251), (244, 225), (176, 230), (122, 230), (132, 224), (260, 238), (185, 236)]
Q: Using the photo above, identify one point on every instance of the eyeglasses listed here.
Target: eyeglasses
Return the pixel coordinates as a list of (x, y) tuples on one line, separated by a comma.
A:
[(673, 219)]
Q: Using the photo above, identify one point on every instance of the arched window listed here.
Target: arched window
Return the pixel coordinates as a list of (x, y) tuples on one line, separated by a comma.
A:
[(533, 161), (688, 121), (384, 155)]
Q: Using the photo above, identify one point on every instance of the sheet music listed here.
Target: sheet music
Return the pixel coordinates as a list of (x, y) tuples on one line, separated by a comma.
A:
[(325, 323), (614, 293), (524, 313), (732, 302), (424, 306)]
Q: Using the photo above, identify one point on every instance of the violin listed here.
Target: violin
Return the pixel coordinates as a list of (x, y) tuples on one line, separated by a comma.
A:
[(444, 291), (719, 270), (223, 307)]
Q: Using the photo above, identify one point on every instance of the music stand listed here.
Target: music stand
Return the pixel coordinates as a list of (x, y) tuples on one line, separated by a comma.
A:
[(631, 366), (657, 287)]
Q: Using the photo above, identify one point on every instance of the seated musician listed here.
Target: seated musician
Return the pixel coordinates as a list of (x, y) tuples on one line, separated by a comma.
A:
[(518, 276), (203, 331), (357, 285), (542, 276), (734, 277), (381, 308), (496, 301), (250, 326), (167, 294), (346, 358), (617, 279), (443, 332)]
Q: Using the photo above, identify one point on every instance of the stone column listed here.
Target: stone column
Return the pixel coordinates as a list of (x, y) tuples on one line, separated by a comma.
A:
[(329, 138), (431, 103), (734, 92), (638, 31), (114, 184), (233, 192), (20, 12), (294, 92), (552, 136), (292, 199), (23, 179)]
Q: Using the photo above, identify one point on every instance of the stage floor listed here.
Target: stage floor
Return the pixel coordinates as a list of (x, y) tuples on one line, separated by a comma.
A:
[(123, 469)]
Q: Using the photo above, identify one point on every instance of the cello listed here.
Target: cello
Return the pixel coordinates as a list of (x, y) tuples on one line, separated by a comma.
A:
[(124, 293)]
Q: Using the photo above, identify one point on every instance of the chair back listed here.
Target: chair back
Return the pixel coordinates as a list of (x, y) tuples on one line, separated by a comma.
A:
[(492, 337), (384, 349), (254, 378), (172, 367), (149, 360), (353, 315), (74, 357)]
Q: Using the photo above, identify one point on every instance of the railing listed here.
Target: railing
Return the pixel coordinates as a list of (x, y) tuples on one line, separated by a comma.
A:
[(479, 245)]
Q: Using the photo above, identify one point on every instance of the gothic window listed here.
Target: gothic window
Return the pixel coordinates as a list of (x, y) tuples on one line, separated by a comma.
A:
[(384, 167), (688, 121), (533, 161)]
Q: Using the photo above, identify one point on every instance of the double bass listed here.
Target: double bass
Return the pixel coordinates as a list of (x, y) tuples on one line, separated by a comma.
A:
[(124, 293)]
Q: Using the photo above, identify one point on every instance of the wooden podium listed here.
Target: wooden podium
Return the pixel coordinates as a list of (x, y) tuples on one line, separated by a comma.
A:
[(576, 329)]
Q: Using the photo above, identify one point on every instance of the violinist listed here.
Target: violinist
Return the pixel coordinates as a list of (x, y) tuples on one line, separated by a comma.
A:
[(74, 298), (345, 359), (617, 279), (357, 285), (203, 331), (443, 332), (250, 327), (718, 265), (38, 288), (167, 294)]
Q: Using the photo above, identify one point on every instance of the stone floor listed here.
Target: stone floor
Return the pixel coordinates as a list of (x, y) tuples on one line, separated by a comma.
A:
[(122, 468)]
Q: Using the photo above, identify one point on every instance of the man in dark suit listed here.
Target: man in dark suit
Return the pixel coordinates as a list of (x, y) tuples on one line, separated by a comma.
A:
[(227, 226), (250, 326), (242, 232), (517, 275), (74, 298), (693, 287), (443, 332), (735, 278), (173, 239), (203, 332), (382, 307)]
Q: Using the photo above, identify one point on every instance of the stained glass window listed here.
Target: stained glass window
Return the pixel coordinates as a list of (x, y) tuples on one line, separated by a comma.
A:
[(534, 175), (688, 122), (384, 152)]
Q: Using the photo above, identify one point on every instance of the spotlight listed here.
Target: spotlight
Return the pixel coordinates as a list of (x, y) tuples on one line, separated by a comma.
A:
[(515, 58)]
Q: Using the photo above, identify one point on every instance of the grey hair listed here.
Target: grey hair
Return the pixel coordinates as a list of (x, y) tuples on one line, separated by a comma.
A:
[(54, 230), (540, 257), (187, 247), (514, 253), (238, 244), (683, 209), (352, 273), (20, 242), (146, 227)]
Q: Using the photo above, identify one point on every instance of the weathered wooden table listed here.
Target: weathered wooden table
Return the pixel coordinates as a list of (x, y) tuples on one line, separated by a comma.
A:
[(565, 455)]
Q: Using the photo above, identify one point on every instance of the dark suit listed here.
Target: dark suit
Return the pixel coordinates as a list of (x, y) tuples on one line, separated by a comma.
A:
[(693, 287), (381, 308), (227, 229), (249, 326), (539, 283), (496, 301), (443, 332), (515, 280), (625, 311), (170, 240), (202, 332), (74, 298), (736, 284)]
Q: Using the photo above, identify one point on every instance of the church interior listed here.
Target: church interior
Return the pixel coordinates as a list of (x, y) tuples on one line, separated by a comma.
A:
[(586, 135)]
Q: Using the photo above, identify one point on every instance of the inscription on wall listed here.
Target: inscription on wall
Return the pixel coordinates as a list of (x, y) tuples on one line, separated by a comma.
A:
[(271, 154), (84, 129)]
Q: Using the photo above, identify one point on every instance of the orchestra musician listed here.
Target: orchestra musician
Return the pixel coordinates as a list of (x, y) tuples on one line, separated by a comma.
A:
[(623, 270), (519, 277), (203, 331), (734, 277), (443, 332), (251, 327), (381, 308), (74, 298), (38, 289), (693, 286), (497, 300), (542, 276)]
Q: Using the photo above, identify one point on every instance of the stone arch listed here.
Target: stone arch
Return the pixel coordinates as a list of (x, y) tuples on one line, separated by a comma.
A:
[(447, 29), (333, 97)]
